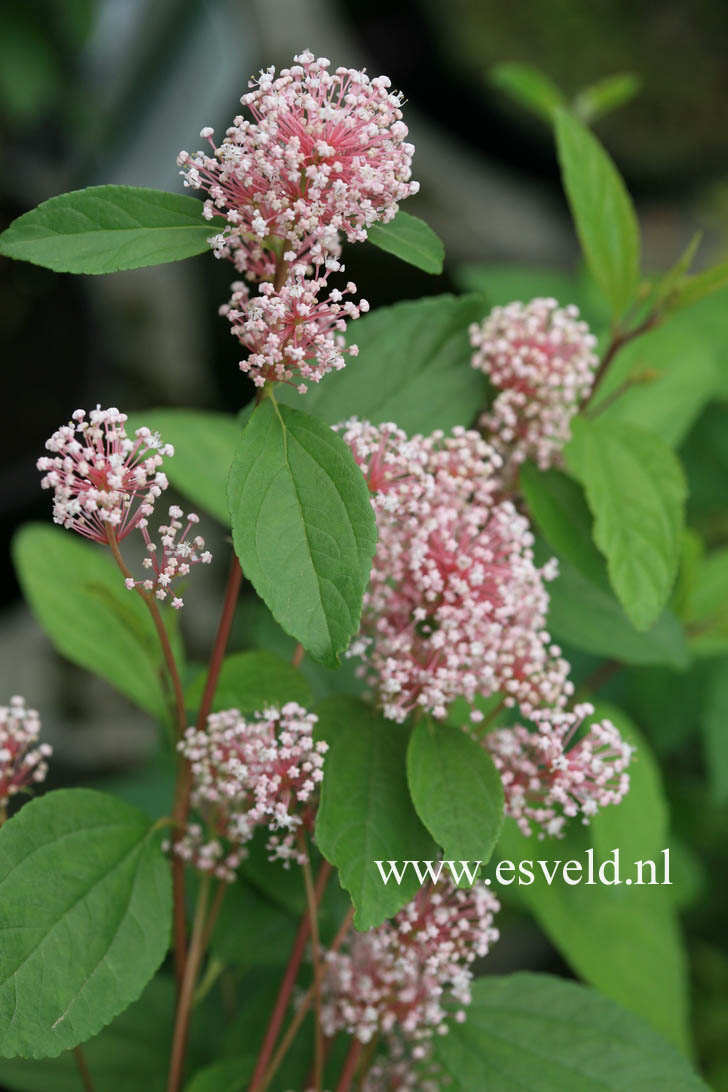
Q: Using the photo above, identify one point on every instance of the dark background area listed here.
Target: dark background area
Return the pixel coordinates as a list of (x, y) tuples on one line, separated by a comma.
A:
[(109, 91)]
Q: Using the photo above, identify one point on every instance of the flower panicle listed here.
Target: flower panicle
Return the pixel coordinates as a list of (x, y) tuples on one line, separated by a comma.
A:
[(551, 774), (541, 359), (248, 773), (406, 978), (180, 551), (23, 760), (456, 605), (102, 478), (321, 153)]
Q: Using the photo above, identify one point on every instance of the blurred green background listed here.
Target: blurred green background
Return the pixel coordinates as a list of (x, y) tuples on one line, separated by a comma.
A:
[(109, 91)]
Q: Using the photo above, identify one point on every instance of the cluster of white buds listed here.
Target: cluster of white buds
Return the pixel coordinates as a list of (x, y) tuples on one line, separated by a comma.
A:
[(101, 478), (540, 358), (261, 771), (550, 776), (23, 761), (396, 979), (456, 606), (178, 554), (322, 153)]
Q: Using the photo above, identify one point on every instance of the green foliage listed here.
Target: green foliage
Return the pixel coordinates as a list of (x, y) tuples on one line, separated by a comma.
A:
[(704, 608), (204, 449), (252, 930), (413, 367), (303, 526), (78, 596), (558, 507), (583, 609), (130, 1055), (538, 1033), (663, 379), (602, 210), (231, 1075), (529, 87), (85, 917), (411, 239), (104, 229), (456, 790), (600, 98), (249, 681), (699, 287), (623, 939), (715, 731), (590, 618), (636, 489), (365, 812)]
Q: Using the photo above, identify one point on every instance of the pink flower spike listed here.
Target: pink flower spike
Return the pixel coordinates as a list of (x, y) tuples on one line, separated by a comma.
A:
[(178, 554), (456, 606), (247, 773), (324, 152), (541, 359), (395, 979), (23, 762), (292, 336), (101, 477), (548, 779)]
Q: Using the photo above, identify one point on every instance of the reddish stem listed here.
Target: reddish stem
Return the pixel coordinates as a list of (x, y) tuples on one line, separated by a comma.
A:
[(286, 987), (618, 342), (351, 1065), (183, 771)]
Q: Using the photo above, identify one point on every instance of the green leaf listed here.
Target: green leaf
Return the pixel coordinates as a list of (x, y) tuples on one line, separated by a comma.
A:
[(636, 490), (663, 379), (456, 790), (250, 681), (303, 526), (600, 98), (694, 289), (130, 1055), (705, 610), (411, 239), (231, 1075), (602, 210), (413, 367), (251, 930), (78, 596), (365, 812), (538, 1033), (103, 229), (715, 734), (529, 87), (639, 825), (85, 912), (558, 506), (204, 448), (590, 618), (622, 938)]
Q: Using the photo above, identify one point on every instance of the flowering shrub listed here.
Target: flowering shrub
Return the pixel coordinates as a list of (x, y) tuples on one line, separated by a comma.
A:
[(470, 556)]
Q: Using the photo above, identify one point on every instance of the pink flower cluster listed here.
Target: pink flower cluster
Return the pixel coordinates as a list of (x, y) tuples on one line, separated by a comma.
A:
[(541, 359), (293, 335), (395, 979), (456, 606), (322, 153), (23, 761), (178, 554), (248, 773), (548, 777), (106, 483), (101, 478)]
